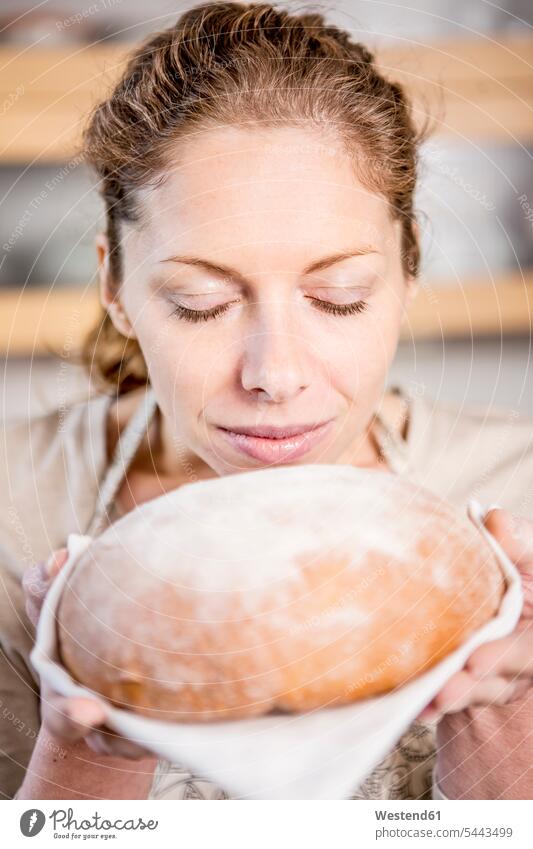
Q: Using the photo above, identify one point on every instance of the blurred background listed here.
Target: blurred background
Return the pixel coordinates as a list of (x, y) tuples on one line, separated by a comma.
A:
[(467, 64)]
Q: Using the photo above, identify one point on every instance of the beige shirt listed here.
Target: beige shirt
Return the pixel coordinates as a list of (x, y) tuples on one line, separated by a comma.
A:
[(54, 468)]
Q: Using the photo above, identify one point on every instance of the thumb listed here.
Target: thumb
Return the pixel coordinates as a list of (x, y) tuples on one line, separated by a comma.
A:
[(515, 535)]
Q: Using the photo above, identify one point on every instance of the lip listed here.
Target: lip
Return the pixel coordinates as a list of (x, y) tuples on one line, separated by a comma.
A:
[(272, 450), (271, 432)]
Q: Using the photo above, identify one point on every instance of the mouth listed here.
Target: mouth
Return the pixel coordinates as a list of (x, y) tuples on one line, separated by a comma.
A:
[(276, 445)]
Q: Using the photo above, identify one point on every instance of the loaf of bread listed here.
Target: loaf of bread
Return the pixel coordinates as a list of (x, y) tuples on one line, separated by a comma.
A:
[(281, 589)]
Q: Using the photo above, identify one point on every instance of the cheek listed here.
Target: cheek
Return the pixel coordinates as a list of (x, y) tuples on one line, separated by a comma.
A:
[(182, 362), (361, 356)]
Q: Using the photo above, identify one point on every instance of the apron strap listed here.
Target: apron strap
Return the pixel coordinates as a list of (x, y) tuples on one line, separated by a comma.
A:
[(124, 452)]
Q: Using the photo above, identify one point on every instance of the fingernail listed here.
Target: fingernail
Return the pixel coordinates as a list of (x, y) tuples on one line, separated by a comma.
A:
[(429, 715)]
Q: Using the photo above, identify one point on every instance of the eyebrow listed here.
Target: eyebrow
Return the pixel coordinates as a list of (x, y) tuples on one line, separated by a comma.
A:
[(226, 270)]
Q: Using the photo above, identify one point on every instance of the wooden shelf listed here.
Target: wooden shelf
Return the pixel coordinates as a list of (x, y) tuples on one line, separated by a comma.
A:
[(49, 93), (472, 308), (476, 89), (34, 321)]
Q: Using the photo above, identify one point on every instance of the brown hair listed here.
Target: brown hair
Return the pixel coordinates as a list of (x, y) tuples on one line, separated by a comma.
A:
[(230, 64)]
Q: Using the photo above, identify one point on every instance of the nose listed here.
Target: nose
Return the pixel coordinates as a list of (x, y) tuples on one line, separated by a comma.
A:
[(276, 361)]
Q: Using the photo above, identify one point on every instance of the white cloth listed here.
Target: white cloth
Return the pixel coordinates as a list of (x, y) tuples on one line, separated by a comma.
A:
[(318, 755)]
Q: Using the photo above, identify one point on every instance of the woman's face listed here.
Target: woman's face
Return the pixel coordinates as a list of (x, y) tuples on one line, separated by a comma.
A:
[(300, 268)]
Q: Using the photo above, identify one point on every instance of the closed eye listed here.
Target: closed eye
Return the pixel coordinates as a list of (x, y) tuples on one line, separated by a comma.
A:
[(325, 306), (341, 309)]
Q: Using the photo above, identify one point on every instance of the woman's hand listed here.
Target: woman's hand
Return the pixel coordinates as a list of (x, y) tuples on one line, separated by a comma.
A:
[(500, 671), (75, 718)]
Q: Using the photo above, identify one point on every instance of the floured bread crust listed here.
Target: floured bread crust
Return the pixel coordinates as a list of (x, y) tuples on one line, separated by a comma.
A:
[(288, 588)]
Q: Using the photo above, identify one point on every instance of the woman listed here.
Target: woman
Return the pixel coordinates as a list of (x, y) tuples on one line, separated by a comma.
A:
[(260, 251)]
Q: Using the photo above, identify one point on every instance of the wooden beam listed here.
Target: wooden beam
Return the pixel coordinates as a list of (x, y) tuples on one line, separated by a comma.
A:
[(39, 321), (472, 308), (475, 89)]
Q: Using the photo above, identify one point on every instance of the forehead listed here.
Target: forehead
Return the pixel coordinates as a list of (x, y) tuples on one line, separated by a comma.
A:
[(249, 188)]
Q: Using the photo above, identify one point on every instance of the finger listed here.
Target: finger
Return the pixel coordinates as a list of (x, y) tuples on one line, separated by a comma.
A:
[(515, 535), (429, 714), (71, 719), (108, 743), (32, 612), (36, 578), (35, 581), (462, 694), (522, 687), (492, 692), (119, 748), (452, 692), (35, 587), (508, 656), (95, 743), (462, 691)]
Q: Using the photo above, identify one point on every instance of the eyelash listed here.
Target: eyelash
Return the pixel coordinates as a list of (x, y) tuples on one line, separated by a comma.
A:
[(204, 315)]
